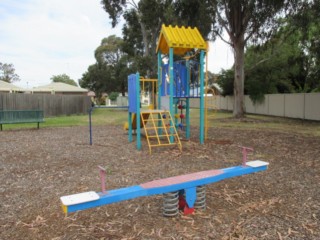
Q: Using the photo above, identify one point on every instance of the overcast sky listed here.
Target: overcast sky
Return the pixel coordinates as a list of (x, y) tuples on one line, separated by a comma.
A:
[(42, 38)]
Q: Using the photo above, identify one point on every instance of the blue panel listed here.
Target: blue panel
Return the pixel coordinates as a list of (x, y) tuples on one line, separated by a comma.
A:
[(132, 98), (165, 80), (180, 80), (191, 196)]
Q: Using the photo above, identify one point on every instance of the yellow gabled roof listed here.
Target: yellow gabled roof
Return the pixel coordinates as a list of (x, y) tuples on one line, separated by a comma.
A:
[(181, 39)]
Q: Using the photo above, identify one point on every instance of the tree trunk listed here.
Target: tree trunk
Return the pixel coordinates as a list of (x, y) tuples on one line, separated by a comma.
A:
[(238, 90)]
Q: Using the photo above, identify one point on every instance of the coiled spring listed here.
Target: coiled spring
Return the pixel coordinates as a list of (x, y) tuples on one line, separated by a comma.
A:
[(201, 198), (170, 204)]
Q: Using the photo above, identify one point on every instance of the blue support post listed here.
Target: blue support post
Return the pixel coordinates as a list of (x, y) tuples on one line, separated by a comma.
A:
[(201, 97), (171, 90), (159, 79), (130, 126), (188, 101), (159, 89), (191, 196), (138, 111)]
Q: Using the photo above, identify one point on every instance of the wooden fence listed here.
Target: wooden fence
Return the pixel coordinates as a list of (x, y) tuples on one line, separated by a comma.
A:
[(52, 105)]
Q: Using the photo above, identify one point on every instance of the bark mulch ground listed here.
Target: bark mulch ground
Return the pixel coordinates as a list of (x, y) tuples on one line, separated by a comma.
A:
[(37, 167)]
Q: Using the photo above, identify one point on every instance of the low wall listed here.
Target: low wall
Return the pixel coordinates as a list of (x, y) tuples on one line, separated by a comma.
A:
[(293, 105)]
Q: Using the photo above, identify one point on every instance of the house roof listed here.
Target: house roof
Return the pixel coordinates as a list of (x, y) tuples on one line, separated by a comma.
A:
[(91, 94), (59, 87), (181, 39), (7, 87)]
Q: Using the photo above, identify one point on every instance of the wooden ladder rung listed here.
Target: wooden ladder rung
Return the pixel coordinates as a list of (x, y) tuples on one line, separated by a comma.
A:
[(154, 136)]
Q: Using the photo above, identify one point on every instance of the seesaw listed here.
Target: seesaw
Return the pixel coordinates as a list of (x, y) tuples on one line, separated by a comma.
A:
[(185, 192)]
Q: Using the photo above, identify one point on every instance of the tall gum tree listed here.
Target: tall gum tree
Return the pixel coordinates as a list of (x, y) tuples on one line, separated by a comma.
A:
[(7, 73), (143, 20), (247, 20)]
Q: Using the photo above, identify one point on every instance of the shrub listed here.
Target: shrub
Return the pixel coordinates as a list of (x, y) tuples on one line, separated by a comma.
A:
[(113, 96)]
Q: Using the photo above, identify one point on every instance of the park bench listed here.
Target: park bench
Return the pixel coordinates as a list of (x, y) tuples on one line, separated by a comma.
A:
[(21, 116)]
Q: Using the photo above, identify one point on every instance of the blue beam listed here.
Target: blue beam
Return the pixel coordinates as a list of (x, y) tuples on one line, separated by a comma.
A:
[(159, 89), (138, 111), (201, 97), (159, 79)]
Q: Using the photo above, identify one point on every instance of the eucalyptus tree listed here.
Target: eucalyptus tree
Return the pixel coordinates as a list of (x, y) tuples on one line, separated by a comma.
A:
[(109, 73), (307, 21), (143, 20), (7, 73), (98, 79), (244, 21), (63, 78)]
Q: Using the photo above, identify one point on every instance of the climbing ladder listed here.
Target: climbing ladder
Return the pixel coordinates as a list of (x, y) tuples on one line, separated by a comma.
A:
[(161, 130)]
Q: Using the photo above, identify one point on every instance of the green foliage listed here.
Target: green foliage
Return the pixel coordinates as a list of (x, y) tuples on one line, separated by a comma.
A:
[(200, 14), (253, 21), (225, 81), (64, 78), (113, 96), (110, 71), (247, 21), (307, 23), (110, 51), (7, 73), (143, 22), (287, 62)]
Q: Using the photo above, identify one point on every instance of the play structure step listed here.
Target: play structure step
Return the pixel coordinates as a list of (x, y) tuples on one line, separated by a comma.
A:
[(160, 130)]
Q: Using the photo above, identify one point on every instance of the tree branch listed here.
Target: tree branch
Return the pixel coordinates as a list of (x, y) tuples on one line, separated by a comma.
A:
[(133, 4), (224, 25), (257, 64), (224, 39)]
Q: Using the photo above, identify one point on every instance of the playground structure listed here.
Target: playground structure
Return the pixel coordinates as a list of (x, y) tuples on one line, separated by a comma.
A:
[(177, 83), (185, 192)]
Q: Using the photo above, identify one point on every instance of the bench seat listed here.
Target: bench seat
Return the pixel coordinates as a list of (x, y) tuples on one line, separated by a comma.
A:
[(21, 116)]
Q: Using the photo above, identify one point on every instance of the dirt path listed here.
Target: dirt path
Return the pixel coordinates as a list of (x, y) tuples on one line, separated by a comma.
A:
[(39, 166)]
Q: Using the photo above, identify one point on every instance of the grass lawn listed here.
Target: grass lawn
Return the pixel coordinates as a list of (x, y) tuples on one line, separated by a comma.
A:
[(215, 119)]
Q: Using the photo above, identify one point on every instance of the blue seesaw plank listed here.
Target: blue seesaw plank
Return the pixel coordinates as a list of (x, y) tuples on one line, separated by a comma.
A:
[(166, 185)]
